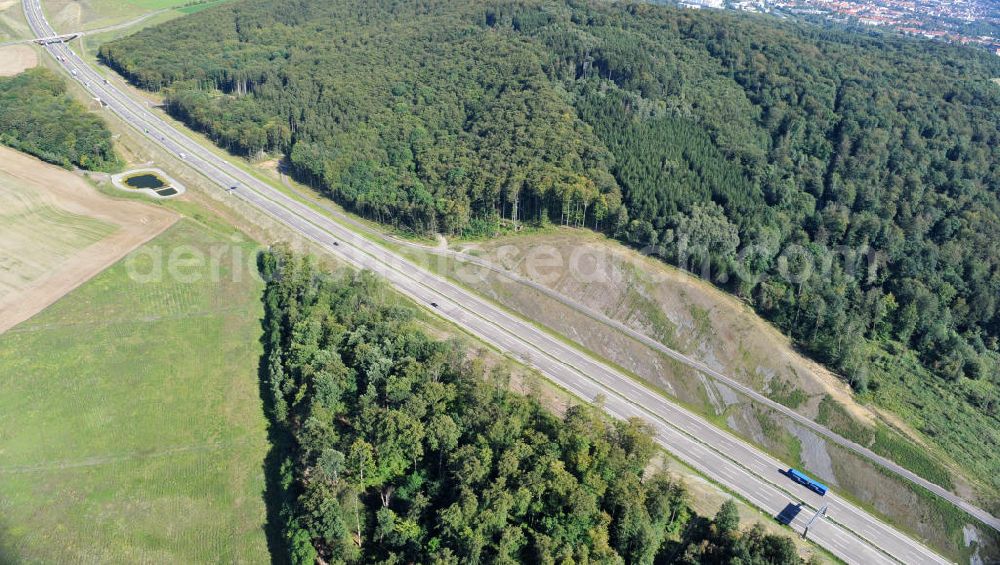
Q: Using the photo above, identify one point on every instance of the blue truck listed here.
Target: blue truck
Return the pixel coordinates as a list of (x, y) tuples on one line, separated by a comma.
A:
[(805, 481)]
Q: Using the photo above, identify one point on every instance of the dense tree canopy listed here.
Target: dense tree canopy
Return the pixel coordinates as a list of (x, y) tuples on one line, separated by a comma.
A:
[(405, 112), (38, 116), (845, 184), (401, 449)]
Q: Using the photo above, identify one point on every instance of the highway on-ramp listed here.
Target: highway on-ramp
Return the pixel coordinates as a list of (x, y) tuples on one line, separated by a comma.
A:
[(848, 532)]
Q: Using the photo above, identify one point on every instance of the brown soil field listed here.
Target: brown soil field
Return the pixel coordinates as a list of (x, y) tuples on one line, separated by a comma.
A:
[(57, 231), (15, 59)]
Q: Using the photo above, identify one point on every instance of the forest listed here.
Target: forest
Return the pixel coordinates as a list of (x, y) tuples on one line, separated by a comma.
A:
[(846, 185), (39, 117), (396, 448)]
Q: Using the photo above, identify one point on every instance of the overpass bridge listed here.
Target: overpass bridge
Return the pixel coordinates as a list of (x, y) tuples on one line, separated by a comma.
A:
[(57, 38), (45, 40)]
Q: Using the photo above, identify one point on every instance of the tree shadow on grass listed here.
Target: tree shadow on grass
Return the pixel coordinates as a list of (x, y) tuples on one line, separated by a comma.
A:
[(697, 528), (7, 554), (276, 498)]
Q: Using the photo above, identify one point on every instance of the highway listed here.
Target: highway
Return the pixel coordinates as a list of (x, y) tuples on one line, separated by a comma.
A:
[(848, 532), (829, 434)]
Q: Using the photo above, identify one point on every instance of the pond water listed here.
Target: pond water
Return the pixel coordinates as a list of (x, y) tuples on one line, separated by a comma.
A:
[(145, 180), (169, 191)]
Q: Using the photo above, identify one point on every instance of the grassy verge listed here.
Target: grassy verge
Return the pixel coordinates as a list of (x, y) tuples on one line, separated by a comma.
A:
[(948, 415), (882, 441), (785, 392), (922, 506), (130, 424)]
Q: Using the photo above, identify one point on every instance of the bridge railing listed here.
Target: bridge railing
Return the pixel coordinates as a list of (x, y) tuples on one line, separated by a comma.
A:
[(57, 38)]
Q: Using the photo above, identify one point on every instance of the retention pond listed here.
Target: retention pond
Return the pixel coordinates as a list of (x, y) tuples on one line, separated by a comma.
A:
[(151, 182), (145, 180)]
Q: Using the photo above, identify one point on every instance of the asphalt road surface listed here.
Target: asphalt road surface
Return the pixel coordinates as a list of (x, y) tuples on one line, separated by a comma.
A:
[(829, 434), (848, 532)]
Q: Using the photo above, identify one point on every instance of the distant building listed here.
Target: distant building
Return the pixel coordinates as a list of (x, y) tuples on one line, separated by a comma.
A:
[(698, 4)]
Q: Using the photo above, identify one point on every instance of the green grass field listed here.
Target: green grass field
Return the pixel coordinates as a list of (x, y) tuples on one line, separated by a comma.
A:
[(12, 24), (111, 7), (195, 8), (124, 16), (131, 428)]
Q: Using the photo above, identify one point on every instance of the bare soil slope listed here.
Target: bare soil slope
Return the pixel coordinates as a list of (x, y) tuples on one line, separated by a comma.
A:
[(683, 312)]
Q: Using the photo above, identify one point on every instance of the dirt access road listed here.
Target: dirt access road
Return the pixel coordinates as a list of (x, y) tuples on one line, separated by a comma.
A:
[(57, 231)]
